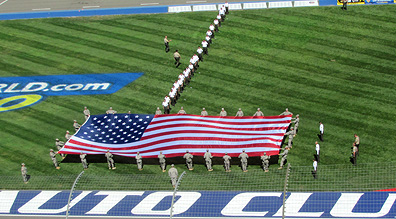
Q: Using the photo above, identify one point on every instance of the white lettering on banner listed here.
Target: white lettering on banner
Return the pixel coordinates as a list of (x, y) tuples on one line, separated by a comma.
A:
[(40, 86), (32, 84), (73, 87), (3, 86), (7, 199), (186, 200), (10, 89), (33, 206), (293, 205), (96, 86), (239, 202), (57, 87), (110, 201), (347, 201)]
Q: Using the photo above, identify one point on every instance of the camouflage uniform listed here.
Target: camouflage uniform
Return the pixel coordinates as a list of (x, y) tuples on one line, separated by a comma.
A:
[(110, 161), (227, 160), (162, 161), (139, 161), (265, 160), (84, 161), (173, 174), (189, 160), (244, 161), (208, 159)]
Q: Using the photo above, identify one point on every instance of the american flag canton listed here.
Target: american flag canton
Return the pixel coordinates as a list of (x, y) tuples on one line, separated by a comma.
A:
[(114, 128)]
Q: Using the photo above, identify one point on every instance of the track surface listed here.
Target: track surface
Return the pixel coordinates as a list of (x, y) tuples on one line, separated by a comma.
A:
[(12, 6)]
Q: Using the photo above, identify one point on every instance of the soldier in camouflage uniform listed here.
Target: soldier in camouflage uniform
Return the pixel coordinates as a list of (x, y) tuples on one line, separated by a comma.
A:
[(244, 160), (286, 112), (296, 123), (53, 158), (208, 159), (139, 161), (227, 162), (111, 111), (284, 157), (204, 112), (265, 160), (68, 135), (162, 161), (223, 112), (110, 161), (291, 135), (158, 111), (59, 144), (86, 113), (239, 113), (189, 160), (24, 173), (76, 125), (181, 111), (84, 160), (173, 174), (258, 113)]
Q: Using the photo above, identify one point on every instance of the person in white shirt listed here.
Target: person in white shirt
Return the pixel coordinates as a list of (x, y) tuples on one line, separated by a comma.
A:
[(208, 39), (172, 97), (196, 61), (321, 131), (188, 72), (315, 166), (165, 104), (219, 19), (186, 77), (200, 51), (192, 70), (216, 25), (209, 33), (226, 5), (205, 47), (222, 14), (211, 28), (317, 148), (181, 82), (176, 85)]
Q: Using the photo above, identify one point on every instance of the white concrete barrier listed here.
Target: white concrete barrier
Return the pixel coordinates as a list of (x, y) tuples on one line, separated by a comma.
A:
[(177, 9), (231, 6), (255, 5), (204, 8), (286, 4), (306, 3)]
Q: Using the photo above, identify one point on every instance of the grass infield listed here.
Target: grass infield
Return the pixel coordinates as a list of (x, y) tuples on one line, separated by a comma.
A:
[(323, 63)]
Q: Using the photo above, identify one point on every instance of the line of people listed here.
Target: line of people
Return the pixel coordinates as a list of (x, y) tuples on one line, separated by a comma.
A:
[(184, 78)]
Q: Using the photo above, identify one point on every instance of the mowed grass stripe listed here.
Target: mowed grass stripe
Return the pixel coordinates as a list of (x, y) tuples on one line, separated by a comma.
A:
[(133, 51), (84, 53), (297, 36), (311, 23), (78, 38), (339, 38)]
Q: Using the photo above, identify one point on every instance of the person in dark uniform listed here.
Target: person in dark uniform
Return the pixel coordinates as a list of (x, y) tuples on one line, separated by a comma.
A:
[(166, 41), (344, 4), (176, 55)]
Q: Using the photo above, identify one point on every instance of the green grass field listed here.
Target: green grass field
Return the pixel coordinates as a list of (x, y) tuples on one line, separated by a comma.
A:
[(323, 63)]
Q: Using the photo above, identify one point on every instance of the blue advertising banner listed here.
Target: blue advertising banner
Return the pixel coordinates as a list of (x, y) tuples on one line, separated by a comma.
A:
[(201, 204), (20, 92)]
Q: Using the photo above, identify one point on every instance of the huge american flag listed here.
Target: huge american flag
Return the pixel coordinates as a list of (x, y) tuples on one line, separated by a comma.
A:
[(173, 134)]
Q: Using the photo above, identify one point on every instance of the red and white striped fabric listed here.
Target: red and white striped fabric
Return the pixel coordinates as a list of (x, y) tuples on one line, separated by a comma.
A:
[(127, 134)]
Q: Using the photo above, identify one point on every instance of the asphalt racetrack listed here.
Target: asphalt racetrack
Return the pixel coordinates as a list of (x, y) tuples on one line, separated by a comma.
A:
[(12, 6)]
